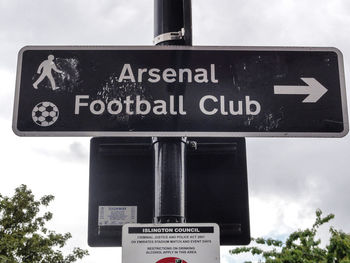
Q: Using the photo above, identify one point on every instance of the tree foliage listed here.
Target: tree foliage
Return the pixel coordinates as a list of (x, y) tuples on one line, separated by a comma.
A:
[(23, 235), (302, 246)]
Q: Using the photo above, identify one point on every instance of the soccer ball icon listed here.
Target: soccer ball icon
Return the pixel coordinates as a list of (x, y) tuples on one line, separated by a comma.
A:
[(45, 113)]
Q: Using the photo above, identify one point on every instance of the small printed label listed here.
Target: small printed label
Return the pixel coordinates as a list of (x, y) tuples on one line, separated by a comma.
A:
[(171, 243), (116, 215)]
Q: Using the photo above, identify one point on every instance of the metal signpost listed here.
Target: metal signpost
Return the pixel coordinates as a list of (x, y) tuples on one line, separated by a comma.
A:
[(178, 98)]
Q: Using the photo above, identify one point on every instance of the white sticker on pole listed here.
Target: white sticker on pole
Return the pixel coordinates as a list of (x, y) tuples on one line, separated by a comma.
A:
[(171, 243), (116, 215)]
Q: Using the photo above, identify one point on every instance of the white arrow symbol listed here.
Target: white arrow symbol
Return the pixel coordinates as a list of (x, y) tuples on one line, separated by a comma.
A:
[(314, 89)]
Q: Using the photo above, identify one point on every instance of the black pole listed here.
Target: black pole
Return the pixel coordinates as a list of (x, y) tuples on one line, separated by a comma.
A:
[(169, 180), (171, 18)]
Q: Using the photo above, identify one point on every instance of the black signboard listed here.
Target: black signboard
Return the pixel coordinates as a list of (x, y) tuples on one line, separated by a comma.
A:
[(180, 91), (121, 188)]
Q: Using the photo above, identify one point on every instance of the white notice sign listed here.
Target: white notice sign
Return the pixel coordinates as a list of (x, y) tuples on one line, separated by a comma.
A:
[(171, 243), (116, 215)]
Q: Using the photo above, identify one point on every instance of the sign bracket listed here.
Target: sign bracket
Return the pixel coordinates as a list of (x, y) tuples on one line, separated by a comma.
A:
[(169, 36)]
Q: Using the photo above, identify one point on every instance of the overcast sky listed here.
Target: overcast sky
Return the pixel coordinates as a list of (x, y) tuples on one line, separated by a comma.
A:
[(288, 178)]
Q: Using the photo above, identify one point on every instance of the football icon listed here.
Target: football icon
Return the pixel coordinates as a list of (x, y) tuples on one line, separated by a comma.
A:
[(45, 114)]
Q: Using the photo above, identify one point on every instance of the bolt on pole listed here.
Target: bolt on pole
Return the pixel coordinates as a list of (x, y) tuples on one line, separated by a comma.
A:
[(172, 26)]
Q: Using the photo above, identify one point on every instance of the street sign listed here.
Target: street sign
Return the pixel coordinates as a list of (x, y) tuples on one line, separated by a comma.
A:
[(180, 91), (121, 187), (171, 243)]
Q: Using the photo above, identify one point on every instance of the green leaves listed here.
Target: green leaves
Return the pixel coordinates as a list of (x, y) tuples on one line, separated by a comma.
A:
[(302, 246), (339, 247), (23, 236)]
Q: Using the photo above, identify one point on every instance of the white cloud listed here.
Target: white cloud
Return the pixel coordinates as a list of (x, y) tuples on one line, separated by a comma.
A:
[(72, 23), (7, 93), (274, 217)]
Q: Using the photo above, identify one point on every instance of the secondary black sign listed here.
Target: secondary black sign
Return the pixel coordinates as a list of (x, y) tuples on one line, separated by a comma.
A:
[(180, 91), (121, 192)]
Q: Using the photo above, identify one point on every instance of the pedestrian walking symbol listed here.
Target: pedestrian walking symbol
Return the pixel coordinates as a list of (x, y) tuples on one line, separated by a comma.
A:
[(45, 69)]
